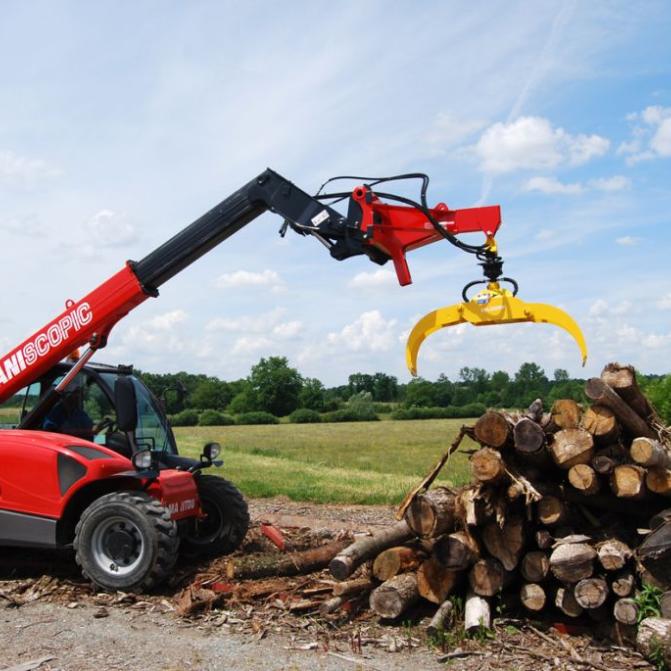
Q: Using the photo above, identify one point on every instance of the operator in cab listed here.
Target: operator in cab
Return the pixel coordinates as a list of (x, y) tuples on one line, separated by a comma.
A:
[(68, 415)]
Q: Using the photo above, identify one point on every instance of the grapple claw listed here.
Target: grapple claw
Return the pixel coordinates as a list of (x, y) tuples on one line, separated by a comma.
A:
[(488, 307)]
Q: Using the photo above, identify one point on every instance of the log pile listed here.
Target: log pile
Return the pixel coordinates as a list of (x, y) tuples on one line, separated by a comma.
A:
[(551, 521)]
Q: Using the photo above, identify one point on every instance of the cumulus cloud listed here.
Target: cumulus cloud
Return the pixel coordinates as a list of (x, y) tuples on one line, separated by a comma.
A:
[(288, 329), (110, 229), (552, 186), (369, 332), (268, 279), (449, 130), (377, 279), (251, 344), (601, 308), (21, 171), (609, 184), (627, 241), (158, 332), (664, 303), (650, 135), (532, 143)]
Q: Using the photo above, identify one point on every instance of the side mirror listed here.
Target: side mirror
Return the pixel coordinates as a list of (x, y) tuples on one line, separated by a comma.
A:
[(126, 404)]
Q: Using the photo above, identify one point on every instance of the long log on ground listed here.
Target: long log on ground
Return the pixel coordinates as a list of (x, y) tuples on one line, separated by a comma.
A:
[(601, 422), (432, 513), (457, 551), (346, 562), (623, 583), (535, 566), (613, 554), (247, 567), (584, 478), (487, 577), (395, 560), (572, 562), (623, 380), (625, 611), (565, 601), (505, 543), (442, 619), (597, 390), (487, 465), (658, 480), (493, 429), (477, 612), (570, 447), (529, 439), (653, 640), (395, 596), (648, 452), (566, 414), (353, 587), (627, 481), (551, 510), (591, 592), (533, 597), (434, 582)]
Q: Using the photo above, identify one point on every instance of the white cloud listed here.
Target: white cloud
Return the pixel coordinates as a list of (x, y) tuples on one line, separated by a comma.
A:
[(249, 345), (168, 320), (21, 171), (627, 241), (532, 143), (664, 303), (614, 183), (259, 323), (377, 279), (244, 278), (651, 135), (157, 333), (601, 308), (288, 329), (448, 130), (369, 332), (551, 185), (109, 229)]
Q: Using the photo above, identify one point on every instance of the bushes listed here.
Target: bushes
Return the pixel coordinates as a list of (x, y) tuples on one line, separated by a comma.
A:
[(383, 408), (305, 416), (351, 415), (450, 412), (187, 417), (214, 418), (257, 417)]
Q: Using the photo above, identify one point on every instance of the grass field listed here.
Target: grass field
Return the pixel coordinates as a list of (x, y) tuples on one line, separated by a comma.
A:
[(359, 462)]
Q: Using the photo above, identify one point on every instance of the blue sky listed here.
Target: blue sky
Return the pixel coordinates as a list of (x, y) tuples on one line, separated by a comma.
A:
[(120, 123)]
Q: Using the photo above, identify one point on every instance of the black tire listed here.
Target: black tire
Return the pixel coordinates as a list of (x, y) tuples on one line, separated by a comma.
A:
[(226, 522), (126, 541)]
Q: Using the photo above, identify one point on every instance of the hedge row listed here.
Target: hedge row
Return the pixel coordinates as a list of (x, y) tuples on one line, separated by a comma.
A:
[(450, 412)]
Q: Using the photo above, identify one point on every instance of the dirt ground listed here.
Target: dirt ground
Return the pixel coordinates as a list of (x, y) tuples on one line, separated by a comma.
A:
[(50, 618)]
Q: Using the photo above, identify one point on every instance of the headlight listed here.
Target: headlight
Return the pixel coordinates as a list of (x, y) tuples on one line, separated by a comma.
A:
[(142, 460), (211, 451)]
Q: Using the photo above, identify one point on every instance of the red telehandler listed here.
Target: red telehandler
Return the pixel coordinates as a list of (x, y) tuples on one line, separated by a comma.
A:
[(91, 461)]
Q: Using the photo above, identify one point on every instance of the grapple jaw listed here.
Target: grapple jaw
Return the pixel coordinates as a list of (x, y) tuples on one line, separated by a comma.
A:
[(490, 306)]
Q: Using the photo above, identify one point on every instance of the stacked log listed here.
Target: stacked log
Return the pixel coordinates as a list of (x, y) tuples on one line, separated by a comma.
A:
[(550, 519)]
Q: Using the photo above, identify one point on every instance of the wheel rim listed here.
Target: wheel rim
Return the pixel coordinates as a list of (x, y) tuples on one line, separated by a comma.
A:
[(117, 546), (214, 525)]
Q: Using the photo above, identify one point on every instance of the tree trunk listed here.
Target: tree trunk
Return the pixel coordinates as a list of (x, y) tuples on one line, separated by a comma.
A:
[(394, 597), (529, 438), (565, 414), (487, 577), (477, 613), (442, 619), (597, 390), (628, 481), (654, 640), (493, 429), (346, 562), (584, 478), (565, 601), (601, 422), (572, 562), (613, 554), (505, 543), (570, 447), (457, 551), (626, 611), (395, 560), (658, 480), (532, 597), (551, 510), (649, 452), (432, 513), (487, 465), (623, 380), (623, 583), (591, 592), (535, 566), (434, 582)]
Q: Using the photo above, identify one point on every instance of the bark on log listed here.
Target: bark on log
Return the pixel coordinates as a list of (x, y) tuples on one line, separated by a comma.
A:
[(654, 553), (535, 566), (623, 583), (627, 481), (601, 422), (529, 438), (625, 611), (544, 539), (648, 452), (665, 604), (395, 596), (597, 390), (565, 601), (434, 582), (493, 429), (487, 577), (551, 510), (584, 478), (477, 612), (533, 597), (566, 414), (505, 543), (570, 447), (442, 619), (352, 587), (654, 638), (613, 554), (658, 480), (471, 508), (395, 560), (247, 567), (591, 592), (331, 605), (346, 562), (535, 411), (457, 551), (572, 562), (432, 513), (487, 465), (623, 380)]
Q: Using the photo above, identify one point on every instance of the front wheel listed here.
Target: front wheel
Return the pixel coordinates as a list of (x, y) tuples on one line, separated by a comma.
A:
[(226, 518), (126, 541)]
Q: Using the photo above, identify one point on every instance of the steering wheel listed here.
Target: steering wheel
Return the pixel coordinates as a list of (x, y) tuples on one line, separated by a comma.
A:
[(106, 422)]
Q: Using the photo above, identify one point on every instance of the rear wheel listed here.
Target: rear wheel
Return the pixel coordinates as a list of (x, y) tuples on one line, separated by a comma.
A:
[(226, 518), (126, 540)]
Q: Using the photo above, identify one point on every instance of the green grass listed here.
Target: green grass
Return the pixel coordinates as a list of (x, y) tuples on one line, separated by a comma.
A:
[(358, 462)]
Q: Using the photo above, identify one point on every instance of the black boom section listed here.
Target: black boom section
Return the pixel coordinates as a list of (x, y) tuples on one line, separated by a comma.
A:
[(268, 191)]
